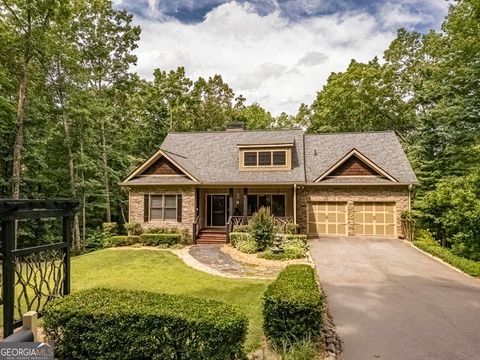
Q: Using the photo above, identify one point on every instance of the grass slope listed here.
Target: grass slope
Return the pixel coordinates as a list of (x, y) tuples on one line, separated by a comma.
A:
[(161, 271), (468, 266)]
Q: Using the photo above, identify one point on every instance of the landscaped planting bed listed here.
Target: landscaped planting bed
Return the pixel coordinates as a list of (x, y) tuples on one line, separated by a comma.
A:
[(121, 324)]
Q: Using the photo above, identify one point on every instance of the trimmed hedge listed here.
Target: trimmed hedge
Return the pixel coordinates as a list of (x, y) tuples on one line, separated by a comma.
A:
[(160, 239), (292, 306), (468, 266), (112, 324), (123, 240), (186, 237)]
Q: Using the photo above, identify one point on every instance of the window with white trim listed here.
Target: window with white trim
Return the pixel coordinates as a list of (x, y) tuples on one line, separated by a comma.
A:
[(163, 207)]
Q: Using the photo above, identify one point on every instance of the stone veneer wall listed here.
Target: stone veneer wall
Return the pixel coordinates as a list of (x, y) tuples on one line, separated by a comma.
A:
[(136, 206), (350, 194)]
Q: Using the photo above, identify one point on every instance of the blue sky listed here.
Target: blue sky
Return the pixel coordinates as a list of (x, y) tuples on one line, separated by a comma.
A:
[(277, 53)]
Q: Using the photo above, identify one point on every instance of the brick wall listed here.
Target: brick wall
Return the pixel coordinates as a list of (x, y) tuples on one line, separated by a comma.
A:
[(396, 194), (136, 206)]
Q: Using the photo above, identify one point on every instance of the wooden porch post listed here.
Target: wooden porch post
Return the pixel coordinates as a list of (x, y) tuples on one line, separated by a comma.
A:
[(295, 204), (245, 205), (230, 202)]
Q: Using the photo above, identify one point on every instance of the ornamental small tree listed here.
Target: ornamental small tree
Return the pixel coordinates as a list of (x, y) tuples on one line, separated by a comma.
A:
[(262, 227)]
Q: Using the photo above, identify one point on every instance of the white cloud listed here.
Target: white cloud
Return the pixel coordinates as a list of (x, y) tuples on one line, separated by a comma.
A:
[(397, 15), (267, 59)]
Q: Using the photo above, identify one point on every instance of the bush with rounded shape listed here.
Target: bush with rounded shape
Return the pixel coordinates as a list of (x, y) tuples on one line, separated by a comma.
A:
[(110, 228), (262, 224), (111, 324), (295, 248), (133, 228), (248, 246), (293, 306)]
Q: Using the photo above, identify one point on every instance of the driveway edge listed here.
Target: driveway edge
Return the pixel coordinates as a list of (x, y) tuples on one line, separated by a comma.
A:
[(441, 261)]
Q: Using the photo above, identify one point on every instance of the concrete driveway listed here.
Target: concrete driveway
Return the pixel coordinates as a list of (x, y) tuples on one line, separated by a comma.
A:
[(389, 301)]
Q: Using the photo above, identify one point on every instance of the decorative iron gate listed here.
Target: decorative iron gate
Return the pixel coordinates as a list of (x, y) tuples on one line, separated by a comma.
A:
[(33, 276)]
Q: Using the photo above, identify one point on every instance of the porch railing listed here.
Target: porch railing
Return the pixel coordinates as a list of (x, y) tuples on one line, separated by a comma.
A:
[(196, 229), (281, 221)]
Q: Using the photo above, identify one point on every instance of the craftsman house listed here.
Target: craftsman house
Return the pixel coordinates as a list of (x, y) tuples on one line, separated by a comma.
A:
[(348, 184)]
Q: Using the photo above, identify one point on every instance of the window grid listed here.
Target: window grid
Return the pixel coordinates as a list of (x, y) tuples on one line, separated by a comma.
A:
[(163, 207), (265, 158)]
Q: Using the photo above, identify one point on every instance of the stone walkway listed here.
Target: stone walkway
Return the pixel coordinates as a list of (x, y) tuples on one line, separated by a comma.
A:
[(212, 257)]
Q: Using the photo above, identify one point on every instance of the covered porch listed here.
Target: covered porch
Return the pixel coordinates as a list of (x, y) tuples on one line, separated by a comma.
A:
[(219, 208)]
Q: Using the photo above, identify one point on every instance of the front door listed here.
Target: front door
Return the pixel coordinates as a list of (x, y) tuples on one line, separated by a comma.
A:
[(216, 210)]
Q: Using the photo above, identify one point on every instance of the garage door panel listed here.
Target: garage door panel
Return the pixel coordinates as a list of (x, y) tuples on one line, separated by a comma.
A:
[(374, 218), (327, 218)]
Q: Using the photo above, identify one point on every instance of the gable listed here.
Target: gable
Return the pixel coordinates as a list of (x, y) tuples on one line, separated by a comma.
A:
[(355, 163), (162, 167), (353, 166)]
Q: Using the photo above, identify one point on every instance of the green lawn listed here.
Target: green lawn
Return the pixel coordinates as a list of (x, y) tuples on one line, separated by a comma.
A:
[(162, 271)]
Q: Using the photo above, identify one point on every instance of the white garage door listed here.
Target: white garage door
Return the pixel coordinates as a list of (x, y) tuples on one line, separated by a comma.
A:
[(327, 218), (374, 218)]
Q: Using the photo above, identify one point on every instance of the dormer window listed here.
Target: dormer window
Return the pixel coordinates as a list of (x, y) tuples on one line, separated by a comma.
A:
[(264, 158)]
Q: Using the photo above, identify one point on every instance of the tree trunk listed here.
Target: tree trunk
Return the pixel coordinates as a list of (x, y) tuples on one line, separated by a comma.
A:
[(71, 164), (105, 173), (19, 132), (84, 226)]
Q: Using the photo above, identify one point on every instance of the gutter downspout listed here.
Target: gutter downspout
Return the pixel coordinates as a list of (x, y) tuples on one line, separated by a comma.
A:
[(410, 197), (295, 204)]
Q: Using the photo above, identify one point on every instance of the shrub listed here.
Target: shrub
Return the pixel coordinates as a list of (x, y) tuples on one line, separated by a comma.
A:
[(292, 306), (112, 324), (249, 246), (96, 240), (244, 242), (133, 228), (262, 225), (236, 237), (110, 228), (468, 266), (298, 237), (291, 228), (242, 228), (295, 248), (186, 238), (160, 239), (123, 240)]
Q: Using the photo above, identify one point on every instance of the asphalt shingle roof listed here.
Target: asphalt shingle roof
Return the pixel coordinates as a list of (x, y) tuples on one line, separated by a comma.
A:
[(383, 148), (213, 157)]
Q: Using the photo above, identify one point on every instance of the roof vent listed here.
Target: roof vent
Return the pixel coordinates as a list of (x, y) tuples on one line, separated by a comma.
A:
[(315, 152), (235, 126)]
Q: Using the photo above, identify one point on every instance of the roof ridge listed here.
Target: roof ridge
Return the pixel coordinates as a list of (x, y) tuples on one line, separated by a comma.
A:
[(353, 133), (233, 132)]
